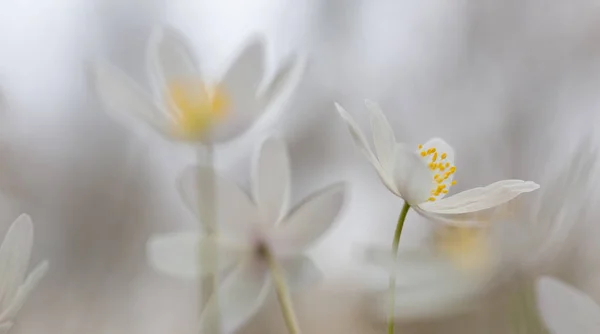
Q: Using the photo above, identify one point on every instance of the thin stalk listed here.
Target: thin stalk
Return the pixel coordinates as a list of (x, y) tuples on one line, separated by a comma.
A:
[(283, 294), (395, 244), (208, 221)]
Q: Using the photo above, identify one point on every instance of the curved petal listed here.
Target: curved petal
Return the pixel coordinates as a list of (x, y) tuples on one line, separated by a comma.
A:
[(383, 136), (14, 258), (412, 177), (218, 202), (480, 199), (24, 291), (122, 96), (240, 84), (277, 91), (308, 221), (170, 58), (190, 255), (361, 142), (300, 272), (5, 327), (271, 180), (241, 295), (555, 297)]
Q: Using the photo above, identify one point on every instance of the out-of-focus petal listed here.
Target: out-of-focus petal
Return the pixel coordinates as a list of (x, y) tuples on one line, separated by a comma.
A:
[(24, 291), (14, 258), (189, 255), (240, 85), (383, 136), (219, 200), (555, 297), (171, 59), (122, 96), (300, 272), (308, 221), (412, 177), (241, 294), (271, 180)]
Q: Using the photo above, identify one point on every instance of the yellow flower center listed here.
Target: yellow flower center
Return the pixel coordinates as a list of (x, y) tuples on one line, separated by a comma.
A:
[(442, 170), (197, 108), (467, 247)]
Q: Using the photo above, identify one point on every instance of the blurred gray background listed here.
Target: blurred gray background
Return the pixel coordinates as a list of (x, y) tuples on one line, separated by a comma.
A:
[(511, 84)]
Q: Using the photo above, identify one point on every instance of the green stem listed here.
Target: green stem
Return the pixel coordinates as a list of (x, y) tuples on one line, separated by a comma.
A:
[(395, 245), (208, 219), (283, 295)]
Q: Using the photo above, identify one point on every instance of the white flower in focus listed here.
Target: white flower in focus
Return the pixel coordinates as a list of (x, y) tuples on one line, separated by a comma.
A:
[(246, 230), (15, 284), (185, 104), (423, 176), (464, 264)]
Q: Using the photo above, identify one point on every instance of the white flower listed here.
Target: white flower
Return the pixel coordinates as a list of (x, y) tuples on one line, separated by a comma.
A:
[(186, 105), (15, 284), (423, 177), (465, 263), (245, 231)]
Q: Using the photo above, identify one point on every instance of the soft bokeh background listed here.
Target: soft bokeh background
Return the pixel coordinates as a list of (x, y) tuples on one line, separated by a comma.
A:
[(512, 84)]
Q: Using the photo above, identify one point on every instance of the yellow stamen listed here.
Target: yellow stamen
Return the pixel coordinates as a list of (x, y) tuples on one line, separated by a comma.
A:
[(436, 162), (196, 109)]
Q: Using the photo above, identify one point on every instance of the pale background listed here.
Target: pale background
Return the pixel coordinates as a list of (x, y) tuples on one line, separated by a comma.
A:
[(511, 84)]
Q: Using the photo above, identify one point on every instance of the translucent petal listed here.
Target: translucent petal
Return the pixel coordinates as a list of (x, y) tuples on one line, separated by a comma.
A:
[(412, 177), (241, 294), (308, 221), (189, 255), (14, 258), (218, 201), (383, 136), (271, 180), (300, 272)]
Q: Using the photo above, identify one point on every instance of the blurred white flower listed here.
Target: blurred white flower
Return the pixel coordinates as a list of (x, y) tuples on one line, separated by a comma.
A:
[(246, 232), (465, 263), (15, 284), (188, 106), (423, 177)]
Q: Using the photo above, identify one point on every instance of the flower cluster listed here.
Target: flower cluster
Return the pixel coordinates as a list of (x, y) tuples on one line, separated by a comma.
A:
[(251, 243)]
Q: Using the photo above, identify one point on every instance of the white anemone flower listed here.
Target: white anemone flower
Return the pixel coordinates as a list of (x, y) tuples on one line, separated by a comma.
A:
[(423, 176), (466, 263), (15, 284), (247, 233), (187, 105)]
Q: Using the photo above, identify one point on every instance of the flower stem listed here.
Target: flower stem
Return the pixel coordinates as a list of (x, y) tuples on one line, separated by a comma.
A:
[(395, 245), (209, 284), (283, 294)]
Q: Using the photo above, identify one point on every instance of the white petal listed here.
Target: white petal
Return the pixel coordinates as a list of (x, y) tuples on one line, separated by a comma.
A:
[(14, 258), (412, 177), (427, 286), (271, 180), (190, 255), (383, 136), (308, 221), (361, 142), (441, 147), (24, 291), (566, 309), (218, 202), (477, 200), (241, 295), (300, 272), (277, 91), (122, 96), (171, 58), (240, 84)]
